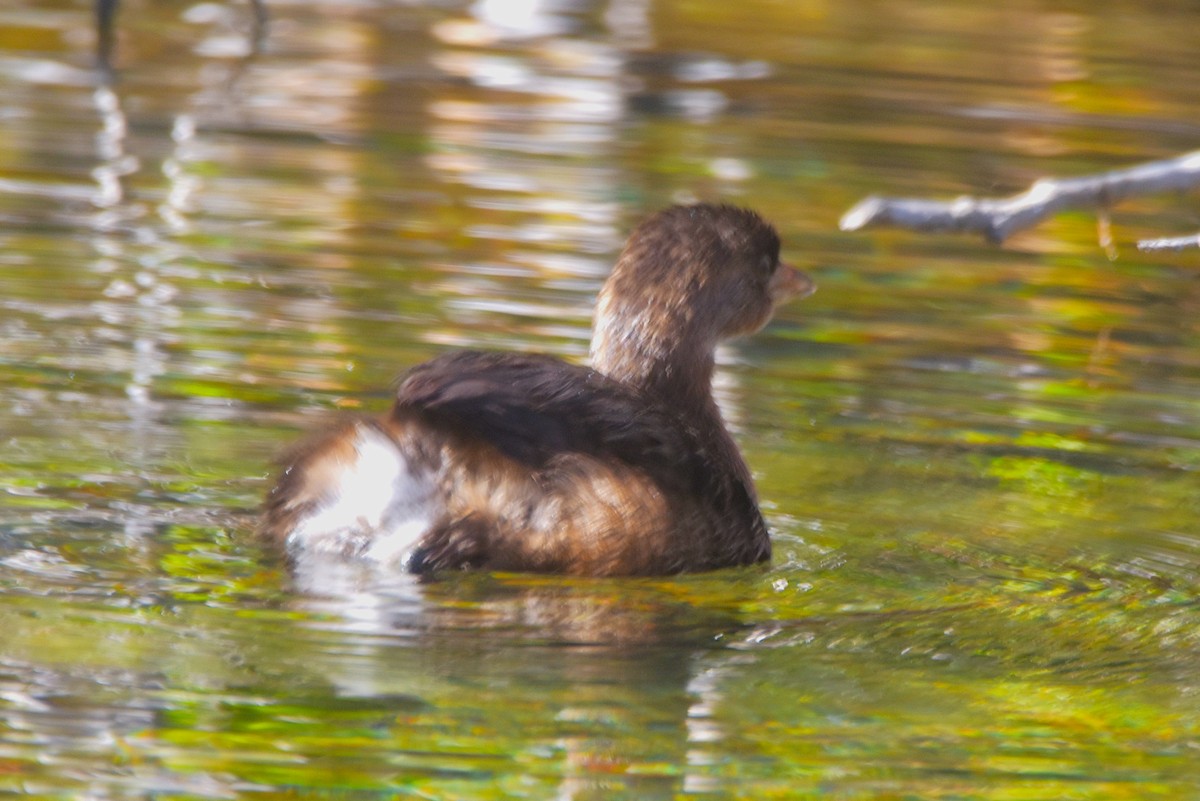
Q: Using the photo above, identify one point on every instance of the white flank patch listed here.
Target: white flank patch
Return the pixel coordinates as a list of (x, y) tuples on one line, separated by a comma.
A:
[(378, 505)]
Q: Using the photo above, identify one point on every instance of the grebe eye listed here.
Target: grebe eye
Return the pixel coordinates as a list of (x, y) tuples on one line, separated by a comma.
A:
[(767, 267)]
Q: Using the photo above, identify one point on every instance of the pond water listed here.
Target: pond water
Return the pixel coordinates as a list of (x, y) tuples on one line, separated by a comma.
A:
[(979, 463)]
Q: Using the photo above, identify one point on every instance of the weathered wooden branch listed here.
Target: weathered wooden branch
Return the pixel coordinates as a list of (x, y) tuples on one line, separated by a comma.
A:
[(1170, 243), (999, 218)]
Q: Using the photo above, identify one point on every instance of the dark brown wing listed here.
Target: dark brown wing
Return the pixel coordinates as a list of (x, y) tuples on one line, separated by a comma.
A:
[(539, 411), (534, 408)]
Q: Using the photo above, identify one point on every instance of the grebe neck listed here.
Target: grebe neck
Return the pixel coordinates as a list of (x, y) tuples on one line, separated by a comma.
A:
[(662, 357)]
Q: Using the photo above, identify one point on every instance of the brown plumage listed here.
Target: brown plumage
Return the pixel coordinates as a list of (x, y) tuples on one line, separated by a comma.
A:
[(526, 463)]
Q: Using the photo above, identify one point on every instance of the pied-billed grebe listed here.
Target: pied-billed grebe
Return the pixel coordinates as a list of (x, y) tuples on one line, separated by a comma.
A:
[(516, 462)]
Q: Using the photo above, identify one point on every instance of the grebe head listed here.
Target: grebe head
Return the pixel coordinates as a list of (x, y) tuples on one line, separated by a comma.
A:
[(689, 277)]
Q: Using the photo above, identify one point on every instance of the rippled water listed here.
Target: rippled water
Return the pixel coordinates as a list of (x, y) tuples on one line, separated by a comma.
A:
[(979, 463)]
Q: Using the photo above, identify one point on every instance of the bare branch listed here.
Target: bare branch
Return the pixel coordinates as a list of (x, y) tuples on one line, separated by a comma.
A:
[(1170, 243), (998, 218)]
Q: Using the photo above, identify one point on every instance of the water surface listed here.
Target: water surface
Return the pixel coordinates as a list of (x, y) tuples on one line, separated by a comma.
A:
[(979, 463)]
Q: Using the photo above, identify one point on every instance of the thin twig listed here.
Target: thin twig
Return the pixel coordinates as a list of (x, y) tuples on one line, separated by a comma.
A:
[(1170, 243), (999, 218)]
